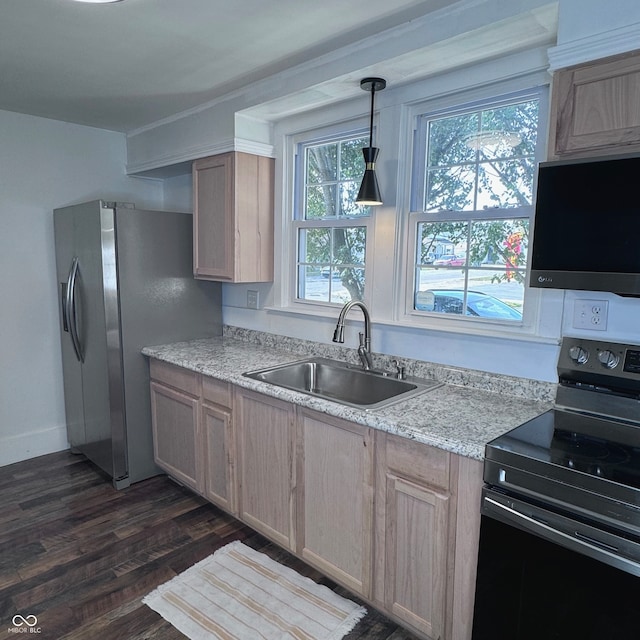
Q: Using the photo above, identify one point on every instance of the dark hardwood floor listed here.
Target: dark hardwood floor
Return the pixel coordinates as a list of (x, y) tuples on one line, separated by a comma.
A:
[(80, 556)]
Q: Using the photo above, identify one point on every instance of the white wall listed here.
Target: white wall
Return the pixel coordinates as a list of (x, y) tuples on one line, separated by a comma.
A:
[(582, 19), (45, 164)]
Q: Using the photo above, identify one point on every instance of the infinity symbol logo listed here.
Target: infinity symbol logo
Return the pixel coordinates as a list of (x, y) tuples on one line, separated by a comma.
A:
[(30, 621)]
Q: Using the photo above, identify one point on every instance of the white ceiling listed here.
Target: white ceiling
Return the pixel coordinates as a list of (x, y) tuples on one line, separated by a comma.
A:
[(125, 65)]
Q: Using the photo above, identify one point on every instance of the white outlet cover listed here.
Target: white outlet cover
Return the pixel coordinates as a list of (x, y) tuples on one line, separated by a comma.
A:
[(590, 314)]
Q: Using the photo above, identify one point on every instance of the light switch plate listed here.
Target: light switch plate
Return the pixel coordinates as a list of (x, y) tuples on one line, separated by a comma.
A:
[(253, 299)]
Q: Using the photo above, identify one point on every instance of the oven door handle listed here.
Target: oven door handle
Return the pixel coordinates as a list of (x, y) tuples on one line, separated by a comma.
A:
[(578, 542)]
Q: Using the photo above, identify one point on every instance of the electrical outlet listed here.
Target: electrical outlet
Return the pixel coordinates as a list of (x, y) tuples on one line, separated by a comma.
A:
[(590, 314), (252, 299)]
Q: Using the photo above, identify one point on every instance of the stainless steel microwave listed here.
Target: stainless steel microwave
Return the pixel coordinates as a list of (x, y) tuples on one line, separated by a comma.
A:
[(586, 231)]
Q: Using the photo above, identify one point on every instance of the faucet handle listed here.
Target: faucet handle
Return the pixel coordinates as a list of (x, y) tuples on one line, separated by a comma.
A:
[(400, 374)]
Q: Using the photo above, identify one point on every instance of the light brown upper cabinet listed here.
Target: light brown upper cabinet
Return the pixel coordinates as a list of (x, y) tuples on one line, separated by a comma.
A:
[(595, 108), (233, 218)]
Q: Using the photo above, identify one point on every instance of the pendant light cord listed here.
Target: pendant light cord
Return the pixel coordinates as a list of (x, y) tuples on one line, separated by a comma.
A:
[(373, 93)]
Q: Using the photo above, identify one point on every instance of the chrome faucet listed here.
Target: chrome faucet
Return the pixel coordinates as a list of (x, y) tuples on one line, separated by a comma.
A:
[(364, 349)]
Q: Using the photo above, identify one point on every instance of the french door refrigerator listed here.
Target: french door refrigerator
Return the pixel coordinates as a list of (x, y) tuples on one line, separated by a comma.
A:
[(125, 280)]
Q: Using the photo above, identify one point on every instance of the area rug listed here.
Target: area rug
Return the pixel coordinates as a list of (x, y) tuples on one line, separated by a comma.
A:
[(241, 594)]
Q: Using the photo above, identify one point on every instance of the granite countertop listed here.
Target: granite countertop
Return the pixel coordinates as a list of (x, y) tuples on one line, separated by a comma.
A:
[(460, 418)]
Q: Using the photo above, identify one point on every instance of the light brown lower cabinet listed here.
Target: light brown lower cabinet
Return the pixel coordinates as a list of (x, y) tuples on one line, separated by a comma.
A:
[(218, 448), (395, 521), (266, 445), (174, 418), (426, 536), (412, 533), (335, 498)]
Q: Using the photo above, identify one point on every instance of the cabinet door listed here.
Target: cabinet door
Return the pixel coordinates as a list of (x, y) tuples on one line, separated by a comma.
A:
[(335, 499), (265, 432), (213, 217), (233, 218), (174, 418), (416, 555), (596, 107), (218, 463)]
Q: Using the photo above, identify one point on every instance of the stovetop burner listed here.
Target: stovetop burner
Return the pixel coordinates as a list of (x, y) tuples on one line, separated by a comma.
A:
[(582, 453), (592, 445), (577, 449)]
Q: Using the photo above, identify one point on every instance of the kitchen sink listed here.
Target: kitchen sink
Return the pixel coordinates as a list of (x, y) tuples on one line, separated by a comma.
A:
[(343, 383)]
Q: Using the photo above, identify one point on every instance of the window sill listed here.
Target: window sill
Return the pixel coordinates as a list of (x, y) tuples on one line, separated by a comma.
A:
[(438, 326)]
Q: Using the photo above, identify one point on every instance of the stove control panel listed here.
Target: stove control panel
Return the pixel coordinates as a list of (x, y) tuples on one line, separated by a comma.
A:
[(580, 356)]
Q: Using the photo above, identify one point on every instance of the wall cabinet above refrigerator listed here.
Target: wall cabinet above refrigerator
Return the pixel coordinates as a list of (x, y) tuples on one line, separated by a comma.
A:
[(233, 218)]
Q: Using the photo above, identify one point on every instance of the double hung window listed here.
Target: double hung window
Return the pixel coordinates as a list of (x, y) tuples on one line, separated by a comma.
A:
[(330, 230), (472, 204)]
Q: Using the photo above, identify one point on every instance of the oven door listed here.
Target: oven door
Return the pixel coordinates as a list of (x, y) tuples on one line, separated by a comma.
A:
[(545, 575)]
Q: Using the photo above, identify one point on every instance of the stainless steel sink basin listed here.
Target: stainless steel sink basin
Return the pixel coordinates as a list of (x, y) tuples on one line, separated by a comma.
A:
[(337, 381)]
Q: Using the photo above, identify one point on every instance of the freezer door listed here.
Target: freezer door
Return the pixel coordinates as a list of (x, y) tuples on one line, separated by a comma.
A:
[(64, 230), (96, 317)]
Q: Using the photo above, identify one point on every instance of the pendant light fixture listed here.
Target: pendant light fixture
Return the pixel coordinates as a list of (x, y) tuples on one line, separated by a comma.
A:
[(369, 193)]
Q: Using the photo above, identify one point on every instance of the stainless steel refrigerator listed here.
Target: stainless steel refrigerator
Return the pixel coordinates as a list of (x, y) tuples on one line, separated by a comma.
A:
[(125, 280)]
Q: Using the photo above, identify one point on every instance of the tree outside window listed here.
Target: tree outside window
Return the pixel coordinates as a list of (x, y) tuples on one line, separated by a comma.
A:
[(330, 228), (476, 202)]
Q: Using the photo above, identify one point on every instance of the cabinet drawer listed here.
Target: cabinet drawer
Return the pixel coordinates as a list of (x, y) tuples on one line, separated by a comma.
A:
[(174, 376), (423, 463), (216, 391)]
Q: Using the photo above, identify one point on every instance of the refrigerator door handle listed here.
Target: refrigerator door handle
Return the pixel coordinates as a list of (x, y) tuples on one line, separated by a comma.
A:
[(70, 303), (63, 304)]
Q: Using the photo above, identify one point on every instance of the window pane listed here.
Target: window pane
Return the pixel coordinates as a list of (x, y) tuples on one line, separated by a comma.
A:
[(349, 245), (451, 189), (350, 286), (510, 130), (315, 246), (322, 164), (505, 184), (351, 159), (331, 264), (320, 202), (332, 175), (482, 298), (494, 295), (481, 160), (447, 138), (475, 269), (441, 241), (348, 194), (500, 243)]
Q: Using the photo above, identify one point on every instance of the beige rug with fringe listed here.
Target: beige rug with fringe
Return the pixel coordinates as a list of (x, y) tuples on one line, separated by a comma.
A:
[(240, 594)]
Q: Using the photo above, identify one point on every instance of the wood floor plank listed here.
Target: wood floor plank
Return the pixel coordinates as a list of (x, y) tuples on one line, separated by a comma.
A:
[(80, 556)]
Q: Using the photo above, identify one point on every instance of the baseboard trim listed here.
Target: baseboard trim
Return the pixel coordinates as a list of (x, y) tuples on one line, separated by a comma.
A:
[(25, 446)]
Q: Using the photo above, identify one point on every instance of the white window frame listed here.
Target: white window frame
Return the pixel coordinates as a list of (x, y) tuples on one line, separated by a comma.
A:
[(532, 298), (293, 222)]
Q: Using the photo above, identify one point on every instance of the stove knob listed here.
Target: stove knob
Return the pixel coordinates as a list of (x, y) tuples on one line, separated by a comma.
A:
[(579, 355), (608, 359)]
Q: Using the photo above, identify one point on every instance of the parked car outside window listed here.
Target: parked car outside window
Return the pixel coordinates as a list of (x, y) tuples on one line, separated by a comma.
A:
[(478, 304), (449, 261)]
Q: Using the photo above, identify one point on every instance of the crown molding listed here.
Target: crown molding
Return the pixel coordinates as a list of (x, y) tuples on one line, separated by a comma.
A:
[(175, 164), (600, 45)]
